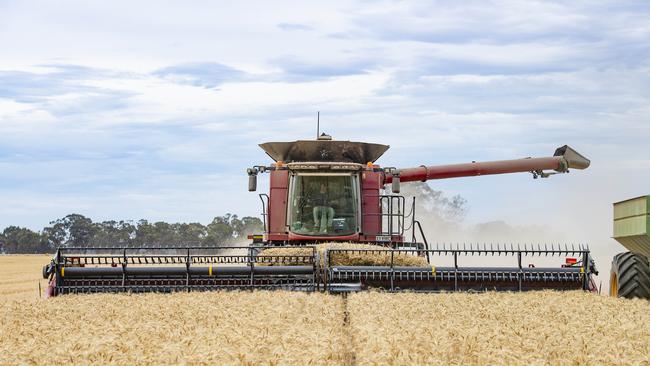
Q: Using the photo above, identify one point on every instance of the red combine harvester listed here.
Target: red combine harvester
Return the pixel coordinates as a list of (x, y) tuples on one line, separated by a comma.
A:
[(332, 191)]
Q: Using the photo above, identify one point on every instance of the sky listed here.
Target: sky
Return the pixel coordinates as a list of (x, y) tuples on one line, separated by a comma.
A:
[(154, 109)]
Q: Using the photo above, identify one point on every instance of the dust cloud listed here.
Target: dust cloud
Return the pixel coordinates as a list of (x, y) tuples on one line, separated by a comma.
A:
[(443, 222)]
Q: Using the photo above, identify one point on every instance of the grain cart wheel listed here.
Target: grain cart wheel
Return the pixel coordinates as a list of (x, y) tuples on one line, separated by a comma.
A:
[(630, 276)]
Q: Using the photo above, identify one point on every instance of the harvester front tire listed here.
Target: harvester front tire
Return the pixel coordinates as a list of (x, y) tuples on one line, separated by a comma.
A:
[(630, 276)]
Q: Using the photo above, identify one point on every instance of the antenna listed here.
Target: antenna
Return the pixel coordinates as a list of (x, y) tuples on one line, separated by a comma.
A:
[(317, 124)]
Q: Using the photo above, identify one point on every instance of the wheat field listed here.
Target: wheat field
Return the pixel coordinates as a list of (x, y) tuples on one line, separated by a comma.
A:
[(20, 275), (285, 328)]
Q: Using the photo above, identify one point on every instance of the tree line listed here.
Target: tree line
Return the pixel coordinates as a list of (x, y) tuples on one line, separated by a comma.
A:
[(79, 231)]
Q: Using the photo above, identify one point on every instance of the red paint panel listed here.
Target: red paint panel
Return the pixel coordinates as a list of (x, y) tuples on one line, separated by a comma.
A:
[(473, 169), (278, 238), (395, 239), (307, 238), (370, 208), (278, 201)]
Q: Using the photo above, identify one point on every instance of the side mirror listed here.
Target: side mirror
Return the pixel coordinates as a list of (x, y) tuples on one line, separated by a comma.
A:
[(395, 183), (252, 180)]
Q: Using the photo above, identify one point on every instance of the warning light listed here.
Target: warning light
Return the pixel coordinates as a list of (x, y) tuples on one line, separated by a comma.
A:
[(571, 261)]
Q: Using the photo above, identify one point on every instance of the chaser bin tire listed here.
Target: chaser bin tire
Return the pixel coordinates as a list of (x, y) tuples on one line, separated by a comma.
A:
[(630, 276)]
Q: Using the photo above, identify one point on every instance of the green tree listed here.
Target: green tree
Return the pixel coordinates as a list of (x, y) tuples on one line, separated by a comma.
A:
[(165, 234), (144, 234), (73, 230), (113, 234), (76, 230), (219, 231), (246, 226), (192, 234), (22, 240)]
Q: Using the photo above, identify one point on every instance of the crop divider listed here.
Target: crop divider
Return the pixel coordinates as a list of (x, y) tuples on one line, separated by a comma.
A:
[(187, 268)]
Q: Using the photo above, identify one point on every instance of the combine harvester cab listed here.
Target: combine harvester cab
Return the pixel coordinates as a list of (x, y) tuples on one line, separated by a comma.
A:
[(630, 273), (330, 225)]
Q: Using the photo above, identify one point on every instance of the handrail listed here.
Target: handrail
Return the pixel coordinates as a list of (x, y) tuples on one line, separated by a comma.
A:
[(390, 201), (264, 209), (424, 238)]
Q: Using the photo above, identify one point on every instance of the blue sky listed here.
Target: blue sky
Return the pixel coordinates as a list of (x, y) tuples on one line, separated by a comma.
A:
[(154, 109)]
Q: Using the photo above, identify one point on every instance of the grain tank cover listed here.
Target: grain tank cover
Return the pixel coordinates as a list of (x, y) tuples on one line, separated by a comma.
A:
[(632, 224), (324, 150)]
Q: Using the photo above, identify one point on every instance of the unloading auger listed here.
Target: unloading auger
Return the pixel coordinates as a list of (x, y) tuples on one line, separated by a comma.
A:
[(329, 191)]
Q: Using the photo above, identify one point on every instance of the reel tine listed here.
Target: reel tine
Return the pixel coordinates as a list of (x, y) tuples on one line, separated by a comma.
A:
[(531, 250), (545, 250)]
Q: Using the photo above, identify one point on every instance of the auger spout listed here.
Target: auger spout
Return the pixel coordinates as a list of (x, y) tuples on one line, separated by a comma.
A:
[(565, 158)]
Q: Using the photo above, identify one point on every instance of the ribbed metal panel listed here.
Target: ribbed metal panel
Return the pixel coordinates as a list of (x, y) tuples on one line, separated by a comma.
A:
[(632, 224)]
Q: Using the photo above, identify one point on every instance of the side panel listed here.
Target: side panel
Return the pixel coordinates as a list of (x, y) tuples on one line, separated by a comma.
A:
[(278, 201), (370, 209), (631, 217), (632, 224)]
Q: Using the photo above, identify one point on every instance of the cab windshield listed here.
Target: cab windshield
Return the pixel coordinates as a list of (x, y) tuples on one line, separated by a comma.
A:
[(324, 205)]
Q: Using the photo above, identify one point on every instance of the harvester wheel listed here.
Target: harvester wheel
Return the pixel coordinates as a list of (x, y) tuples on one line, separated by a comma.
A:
[(630, 276)]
